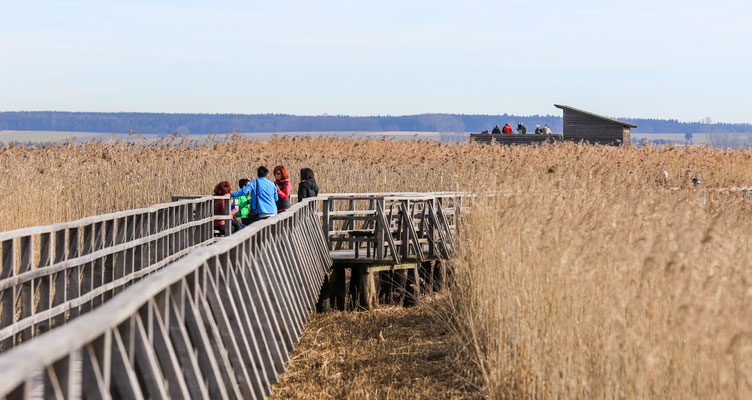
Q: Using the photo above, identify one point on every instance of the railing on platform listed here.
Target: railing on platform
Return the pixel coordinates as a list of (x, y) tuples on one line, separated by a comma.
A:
[(394, 227), (216, 324), (52, 274), (515, 139)]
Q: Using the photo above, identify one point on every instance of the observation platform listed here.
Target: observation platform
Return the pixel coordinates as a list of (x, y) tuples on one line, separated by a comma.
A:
[(515, 139)]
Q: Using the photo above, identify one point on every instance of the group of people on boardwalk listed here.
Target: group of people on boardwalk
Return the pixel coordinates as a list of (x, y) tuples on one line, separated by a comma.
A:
[(521, 129), (261, 198)]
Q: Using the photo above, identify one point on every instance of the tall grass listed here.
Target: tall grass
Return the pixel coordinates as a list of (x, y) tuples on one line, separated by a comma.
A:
[(604, 289), (581, 278), (46, 184)]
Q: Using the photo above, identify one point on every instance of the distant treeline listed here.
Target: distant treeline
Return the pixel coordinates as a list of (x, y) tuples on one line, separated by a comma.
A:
[(157, 123)]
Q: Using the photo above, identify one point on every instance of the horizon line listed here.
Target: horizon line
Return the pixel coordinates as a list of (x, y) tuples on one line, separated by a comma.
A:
[(347, 115)]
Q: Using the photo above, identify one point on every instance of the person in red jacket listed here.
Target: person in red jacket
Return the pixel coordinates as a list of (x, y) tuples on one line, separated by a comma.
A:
[(507, 129), (223, 189), (284, 189)]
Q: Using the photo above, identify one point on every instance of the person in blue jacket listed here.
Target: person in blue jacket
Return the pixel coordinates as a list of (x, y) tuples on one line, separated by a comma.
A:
[(262, 196)]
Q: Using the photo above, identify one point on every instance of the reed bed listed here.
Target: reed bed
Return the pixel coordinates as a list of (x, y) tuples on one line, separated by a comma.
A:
[(47, 184), (583, 277), (606, 289)]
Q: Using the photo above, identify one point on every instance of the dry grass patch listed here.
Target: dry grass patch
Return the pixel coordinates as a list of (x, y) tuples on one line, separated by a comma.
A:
[(388, 353), (599, 291)]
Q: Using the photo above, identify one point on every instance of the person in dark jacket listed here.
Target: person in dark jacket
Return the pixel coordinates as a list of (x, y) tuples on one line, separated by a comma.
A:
[(496, 130), (307, 186), (284, 189)]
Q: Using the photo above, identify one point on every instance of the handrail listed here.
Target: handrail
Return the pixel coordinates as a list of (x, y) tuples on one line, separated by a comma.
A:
[(52, 274), (218, 323), (397, 223), (36, 230)]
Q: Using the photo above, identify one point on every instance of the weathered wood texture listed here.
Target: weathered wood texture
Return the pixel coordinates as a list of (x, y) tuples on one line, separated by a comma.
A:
[(52, 274), (217, 324), (583, 126), (390, 229), (514, 139)]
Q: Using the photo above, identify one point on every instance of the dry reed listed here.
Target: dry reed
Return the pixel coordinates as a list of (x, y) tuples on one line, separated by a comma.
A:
[(582, 278), (607, 288)]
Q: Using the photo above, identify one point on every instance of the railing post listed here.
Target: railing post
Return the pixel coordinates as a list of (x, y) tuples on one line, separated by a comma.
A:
[(228, 223), (7, 300), (405, 238), (380, 228), (325, 222), (431, 227)]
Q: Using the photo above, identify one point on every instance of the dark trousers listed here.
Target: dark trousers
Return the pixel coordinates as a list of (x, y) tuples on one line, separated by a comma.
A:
[(251, 218)]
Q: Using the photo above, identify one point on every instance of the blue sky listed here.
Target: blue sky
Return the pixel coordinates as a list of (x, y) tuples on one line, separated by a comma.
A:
[(648, 59)]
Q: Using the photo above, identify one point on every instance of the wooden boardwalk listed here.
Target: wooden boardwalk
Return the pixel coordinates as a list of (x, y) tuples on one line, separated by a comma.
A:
[(216, 318)]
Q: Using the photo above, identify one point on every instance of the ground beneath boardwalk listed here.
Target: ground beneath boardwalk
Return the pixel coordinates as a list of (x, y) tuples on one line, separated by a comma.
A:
[(387, 353)]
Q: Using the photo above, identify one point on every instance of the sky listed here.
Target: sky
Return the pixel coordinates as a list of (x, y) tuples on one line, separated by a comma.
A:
[(674, 59)]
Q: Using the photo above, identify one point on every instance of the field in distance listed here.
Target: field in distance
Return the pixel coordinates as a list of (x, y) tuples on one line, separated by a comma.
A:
[(54, 136)]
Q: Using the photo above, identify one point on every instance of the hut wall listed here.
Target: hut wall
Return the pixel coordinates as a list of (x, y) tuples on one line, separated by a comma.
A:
[(583, 127)]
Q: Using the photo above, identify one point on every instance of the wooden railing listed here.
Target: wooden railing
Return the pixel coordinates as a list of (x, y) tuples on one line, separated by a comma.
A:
[(52, 274), (393, 227), (217, 324)]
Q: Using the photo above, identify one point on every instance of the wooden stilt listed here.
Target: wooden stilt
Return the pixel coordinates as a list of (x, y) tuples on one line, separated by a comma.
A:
[(412, 287), (322, 305), (398, 286), (425, 272), (338, 286), (386, 284), (438, 276)]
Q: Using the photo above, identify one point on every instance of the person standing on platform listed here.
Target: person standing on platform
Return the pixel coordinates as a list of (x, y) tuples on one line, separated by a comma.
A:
[(307, 186), (496, 130), (507, 129), (538, 130), (284, 188), (524, 129), (547, 130), (262, 194)]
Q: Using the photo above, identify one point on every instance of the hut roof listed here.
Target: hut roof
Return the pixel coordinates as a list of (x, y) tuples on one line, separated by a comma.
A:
[(627, 124)]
